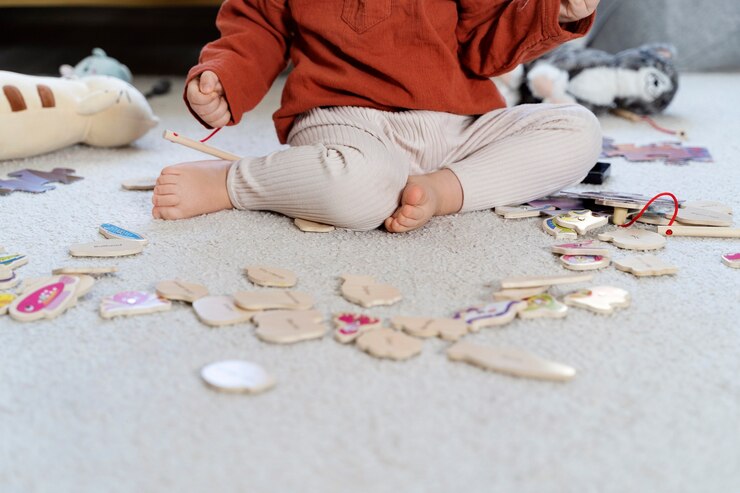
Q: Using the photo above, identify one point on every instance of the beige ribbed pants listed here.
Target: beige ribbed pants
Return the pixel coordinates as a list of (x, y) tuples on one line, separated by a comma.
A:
[(347, 166)]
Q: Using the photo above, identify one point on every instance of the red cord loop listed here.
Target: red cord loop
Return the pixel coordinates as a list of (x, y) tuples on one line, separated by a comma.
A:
[(212, 134), (675, 211)]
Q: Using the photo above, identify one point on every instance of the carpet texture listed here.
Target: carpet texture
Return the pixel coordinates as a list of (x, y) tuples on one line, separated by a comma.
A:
[(91, 405)]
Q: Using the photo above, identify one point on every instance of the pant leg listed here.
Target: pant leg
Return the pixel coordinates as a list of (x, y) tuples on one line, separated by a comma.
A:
[(518, 154), (341, 169)]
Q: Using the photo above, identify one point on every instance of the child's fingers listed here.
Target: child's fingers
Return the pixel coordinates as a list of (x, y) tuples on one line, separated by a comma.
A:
[(216, 112), (219, 89), (208, 81), (204, 110), (195, 97)]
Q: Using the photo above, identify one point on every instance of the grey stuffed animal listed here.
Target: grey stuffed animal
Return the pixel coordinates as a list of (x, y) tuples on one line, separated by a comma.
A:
[(642, 80)]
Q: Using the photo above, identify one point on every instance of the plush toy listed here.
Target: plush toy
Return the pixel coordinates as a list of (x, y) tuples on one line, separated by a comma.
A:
[(97, 64), (641, 80), (42, 114)]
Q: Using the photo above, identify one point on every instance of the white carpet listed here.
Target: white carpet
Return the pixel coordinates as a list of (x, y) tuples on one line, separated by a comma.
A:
[(89, 405)]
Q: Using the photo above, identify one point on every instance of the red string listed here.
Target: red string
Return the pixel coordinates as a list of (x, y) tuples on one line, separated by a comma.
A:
[(668, 232), (657, 127), (212, 134)]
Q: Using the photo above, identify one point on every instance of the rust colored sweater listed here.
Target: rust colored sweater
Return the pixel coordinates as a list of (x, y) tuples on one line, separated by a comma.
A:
[(386, 54)]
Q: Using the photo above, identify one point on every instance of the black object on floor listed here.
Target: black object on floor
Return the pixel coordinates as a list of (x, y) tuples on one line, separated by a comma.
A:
[(598, 174)]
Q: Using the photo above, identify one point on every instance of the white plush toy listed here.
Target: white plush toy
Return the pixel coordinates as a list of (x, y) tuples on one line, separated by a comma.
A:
[(43, 114)]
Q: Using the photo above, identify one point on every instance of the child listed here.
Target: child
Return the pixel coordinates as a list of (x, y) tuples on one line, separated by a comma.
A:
[(389, 111)]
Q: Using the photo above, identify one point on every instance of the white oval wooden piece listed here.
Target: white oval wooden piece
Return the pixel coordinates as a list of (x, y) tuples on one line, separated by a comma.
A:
[(445, 328), (703, 217), (311, 227), (582, 247), (634, 239), (140, 184), (271, 276), (273, 300), (543, 306), (599, 299), (237, 376), (220, 310), (582, 221), (85, 269), (536, 281), (389, 344), (47, 300), (130, 303), (518, 294), (177, 290), (510, 361), (492, 314), (289, 326), (584, 262), (106, 248), (349, 326), (708, 205), (363, 291), (645, 265)]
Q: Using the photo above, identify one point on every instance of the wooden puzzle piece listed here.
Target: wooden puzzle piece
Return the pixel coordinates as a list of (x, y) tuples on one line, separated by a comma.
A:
[(550, 227), (47, 301), (6, 299), (599, 299), (84, 286), (237, 376), (543, 306), (389, 344), (129, 303), (582, 247), (510, 361), (634, 239), (492, 314), (220, 310), (537, 281), (311, 227), (654, 219), (518, 294), (731, 260), (582, 221), (140, 184), (113, 232), (363, 290), (584, 262), (671, 152), (13, 261), (349, 326), (699, 231), (522, 211), (177, 290), (8, 278), (106, 248), (273, 300), (645, 265), (271, 276), (709, 205), (85, 269), (703, 217), (289, 326), (444, 328)]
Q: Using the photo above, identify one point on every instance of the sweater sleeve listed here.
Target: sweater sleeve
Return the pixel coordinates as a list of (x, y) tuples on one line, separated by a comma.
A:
[(496, 36), (249, 55)]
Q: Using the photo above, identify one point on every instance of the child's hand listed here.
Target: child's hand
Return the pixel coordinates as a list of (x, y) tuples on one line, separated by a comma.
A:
[(575, 10), (206, 97)]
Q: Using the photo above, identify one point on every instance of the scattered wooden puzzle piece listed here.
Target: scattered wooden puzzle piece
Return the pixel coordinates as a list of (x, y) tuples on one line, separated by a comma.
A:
[(106, 248), (389, 344), (129, 303), (645, 265), (543, 306), (311, 227), (584, 262), (113, 232), (518, 294), (703, 217), (444, 328), (492, 314), (363, 290), (671, 152), (177, 290), (550, 227), (699, 231), (510, 361), (522, 211), (13, 261), (599, 299), (85, 269), (731, 260), (48, 301), (220, 310), (271, 276), (537, 281), (140, 184), (289, 326), (8, 278), (634, 239), (349, 326), (582, 247), (273, 300), (709, 205), (237, 376), (582, 221), (6, 299)]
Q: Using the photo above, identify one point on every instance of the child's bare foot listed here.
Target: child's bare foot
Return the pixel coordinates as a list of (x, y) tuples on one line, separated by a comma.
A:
[(191, 189), (425, 196)]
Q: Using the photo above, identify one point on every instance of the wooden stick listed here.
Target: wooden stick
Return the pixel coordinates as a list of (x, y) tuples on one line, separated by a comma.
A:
[(199, 146), (706, 231)]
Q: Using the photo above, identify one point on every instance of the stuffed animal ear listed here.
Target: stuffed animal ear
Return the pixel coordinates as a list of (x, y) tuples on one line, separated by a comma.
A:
[(96, 102)]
